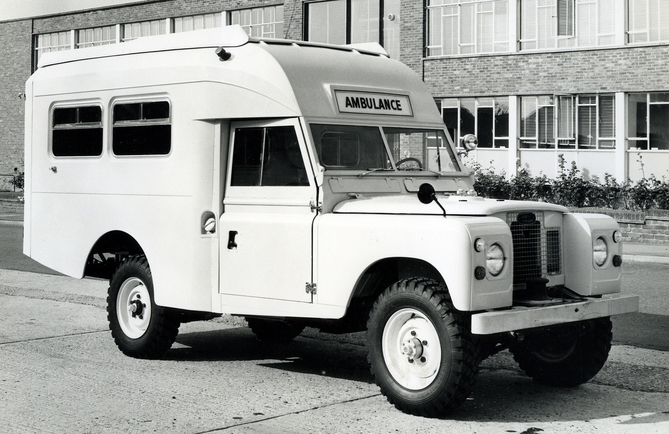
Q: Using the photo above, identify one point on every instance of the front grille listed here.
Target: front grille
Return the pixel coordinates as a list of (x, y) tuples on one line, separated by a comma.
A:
[(537, 251)]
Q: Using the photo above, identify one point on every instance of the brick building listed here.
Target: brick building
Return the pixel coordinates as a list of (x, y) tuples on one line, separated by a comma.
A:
[(535, 80)]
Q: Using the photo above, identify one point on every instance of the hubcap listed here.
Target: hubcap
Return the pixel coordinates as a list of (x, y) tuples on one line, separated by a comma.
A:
[(411, 349), (133, 307)]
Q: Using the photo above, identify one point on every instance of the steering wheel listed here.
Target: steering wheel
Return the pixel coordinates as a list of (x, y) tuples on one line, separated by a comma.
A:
[(407, 160)]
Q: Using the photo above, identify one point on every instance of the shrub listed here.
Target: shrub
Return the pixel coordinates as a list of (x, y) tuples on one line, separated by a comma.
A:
[(571, 190)]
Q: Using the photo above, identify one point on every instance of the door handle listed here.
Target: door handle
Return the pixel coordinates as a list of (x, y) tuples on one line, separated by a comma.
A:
[(232, 245)]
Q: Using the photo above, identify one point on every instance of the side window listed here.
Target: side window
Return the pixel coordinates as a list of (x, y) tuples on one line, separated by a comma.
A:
[(142, 128), (77, 131), (268, 156)]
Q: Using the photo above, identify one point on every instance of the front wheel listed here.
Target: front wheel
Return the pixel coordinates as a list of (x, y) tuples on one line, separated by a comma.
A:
[(567, 355), (421, 353), (140, 328)]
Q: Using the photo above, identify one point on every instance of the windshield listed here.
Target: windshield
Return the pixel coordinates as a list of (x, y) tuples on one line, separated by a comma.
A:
[(344, 147)]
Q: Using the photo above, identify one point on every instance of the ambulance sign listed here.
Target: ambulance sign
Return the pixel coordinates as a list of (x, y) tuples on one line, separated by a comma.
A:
[(373, 103)]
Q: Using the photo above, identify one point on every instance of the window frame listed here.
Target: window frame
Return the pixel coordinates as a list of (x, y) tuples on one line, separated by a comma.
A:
[(648, 126), (139, 123), (496, 104), (348, 12), (475, 39), (76, 126), (273, 9)]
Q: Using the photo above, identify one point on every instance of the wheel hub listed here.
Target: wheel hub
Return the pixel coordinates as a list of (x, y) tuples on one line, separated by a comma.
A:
[(412, 348), (133, 307), (136, 307)]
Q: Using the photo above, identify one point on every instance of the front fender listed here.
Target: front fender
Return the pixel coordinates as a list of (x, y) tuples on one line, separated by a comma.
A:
[(345, 245)]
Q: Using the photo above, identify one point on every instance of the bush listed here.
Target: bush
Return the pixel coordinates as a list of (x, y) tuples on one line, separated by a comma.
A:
[(571, 190)]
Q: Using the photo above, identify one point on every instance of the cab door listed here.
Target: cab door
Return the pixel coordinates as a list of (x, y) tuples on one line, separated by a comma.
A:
[(267, 219)]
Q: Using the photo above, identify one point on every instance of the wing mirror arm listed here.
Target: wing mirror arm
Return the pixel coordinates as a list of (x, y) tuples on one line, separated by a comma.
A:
[(426, 195)]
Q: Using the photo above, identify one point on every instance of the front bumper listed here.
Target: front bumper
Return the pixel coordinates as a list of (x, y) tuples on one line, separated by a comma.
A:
[(520, 317)]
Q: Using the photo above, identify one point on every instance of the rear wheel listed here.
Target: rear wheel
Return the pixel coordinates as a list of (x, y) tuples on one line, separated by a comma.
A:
[(567, 355), (140, 328), (421, 353)]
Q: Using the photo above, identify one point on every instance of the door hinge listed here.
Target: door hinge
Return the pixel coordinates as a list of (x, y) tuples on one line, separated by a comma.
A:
[(315, 207), (310, 288)]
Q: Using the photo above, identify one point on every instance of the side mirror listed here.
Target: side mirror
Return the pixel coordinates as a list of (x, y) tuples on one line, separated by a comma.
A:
[(426, 195), (469, 142)]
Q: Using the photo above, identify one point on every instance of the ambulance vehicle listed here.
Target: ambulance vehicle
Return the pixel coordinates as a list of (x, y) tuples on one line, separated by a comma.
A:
[(299, 184)]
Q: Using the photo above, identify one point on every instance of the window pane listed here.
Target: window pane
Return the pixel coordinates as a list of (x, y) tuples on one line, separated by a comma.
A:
[(450, 115), (546, 127), (485, 120), (587, 126), (142, 129), (659, 126), (80, 142), (350, 147), (247, 152), (637, 112), (365, 21), (565, 17), (77, 132), (502, 117), (528, 120), (327, 22), (283, 165), (142, 140), (607, 117), (467, 113)]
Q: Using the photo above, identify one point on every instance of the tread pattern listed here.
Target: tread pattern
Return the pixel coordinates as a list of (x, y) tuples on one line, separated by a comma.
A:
[(448, 391), (164, 325)]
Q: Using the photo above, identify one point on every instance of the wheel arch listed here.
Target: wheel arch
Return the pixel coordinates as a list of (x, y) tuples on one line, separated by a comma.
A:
[(108, 251), (384, 272)]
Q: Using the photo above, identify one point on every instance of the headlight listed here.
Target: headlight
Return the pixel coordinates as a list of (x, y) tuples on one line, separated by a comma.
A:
[(494, 259), (600, 251)]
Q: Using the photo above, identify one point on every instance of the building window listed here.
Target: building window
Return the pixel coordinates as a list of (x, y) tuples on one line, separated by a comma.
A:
[(145, 28), (548, 24), (77, 131), (264, 22), (96, 36), (142, 128), (197, 22), (466, 27), (487, 118), (648, 21), (648, 121), (568, 122), (355, 22), (536, 122), (48, 42)]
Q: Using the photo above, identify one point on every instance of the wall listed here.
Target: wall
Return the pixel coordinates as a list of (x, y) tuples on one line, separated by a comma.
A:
[(628, 69), (15, 61)]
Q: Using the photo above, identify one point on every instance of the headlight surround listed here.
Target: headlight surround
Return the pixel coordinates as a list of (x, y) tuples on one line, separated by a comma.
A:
[(600, 251), (494, 259)]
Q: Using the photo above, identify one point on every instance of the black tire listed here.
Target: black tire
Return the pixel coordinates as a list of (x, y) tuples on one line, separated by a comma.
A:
[(139, 327), (416, 375), (567, 355), (274, 331)]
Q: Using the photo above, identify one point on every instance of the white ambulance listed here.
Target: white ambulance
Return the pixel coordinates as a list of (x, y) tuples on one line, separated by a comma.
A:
[(300, 184)]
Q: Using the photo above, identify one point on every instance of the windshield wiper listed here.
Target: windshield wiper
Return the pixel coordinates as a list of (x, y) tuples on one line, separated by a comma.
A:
[(376, 169)]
